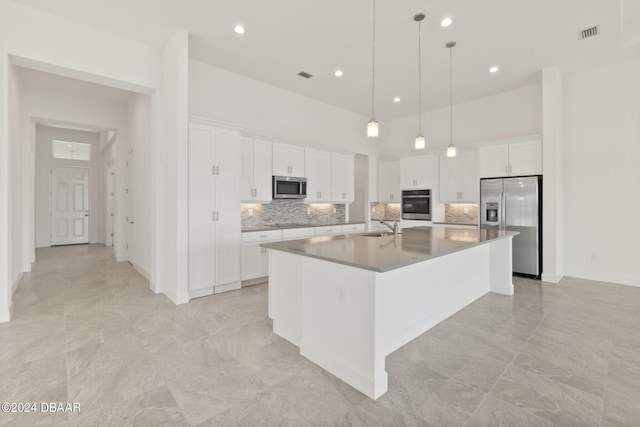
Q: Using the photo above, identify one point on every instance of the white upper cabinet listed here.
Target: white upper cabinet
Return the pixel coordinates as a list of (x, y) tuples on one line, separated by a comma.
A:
[(288, 160), (510, 159), (459, 179), (255, 185), (318, 173), (525, 158), (342, 178), (418, 172), (389, 182)]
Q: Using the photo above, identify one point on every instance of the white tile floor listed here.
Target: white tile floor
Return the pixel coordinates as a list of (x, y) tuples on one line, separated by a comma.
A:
[(89, 330)]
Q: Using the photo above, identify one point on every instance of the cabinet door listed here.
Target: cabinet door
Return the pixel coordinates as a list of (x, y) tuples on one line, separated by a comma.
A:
[(343, 178), (389, 182), (426, 168), (288, 160), (202, 230), (246, 168), (318, 169), (493, 161), (525, 158), (227, 199), (408, 173), (252, 261), (469, 182), (449, 179), (262, 170)]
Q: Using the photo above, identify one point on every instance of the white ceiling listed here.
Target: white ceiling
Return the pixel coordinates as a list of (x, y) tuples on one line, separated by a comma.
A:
[(285, 37)]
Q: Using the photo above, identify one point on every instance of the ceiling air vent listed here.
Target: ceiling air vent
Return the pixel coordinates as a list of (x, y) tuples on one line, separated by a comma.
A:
[(589, 32), (305, 74)]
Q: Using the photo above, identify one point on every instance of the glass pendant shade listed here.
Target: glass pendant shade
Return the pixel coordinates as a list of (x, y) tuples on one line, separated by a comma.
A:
[(451, 151), (420, 142), (372, 128)]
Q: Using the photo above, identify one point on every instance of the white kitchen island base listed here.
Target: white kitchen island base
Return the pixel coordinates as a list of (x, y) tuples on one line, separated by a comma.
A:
[(347, 319)]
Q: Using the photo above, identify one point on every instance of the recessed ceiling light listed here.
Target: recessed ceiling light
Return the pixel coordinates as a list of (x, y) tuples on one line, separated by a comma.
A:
[(446, 22), (338, 73), (494, 69), (396, 99), (239, 29)]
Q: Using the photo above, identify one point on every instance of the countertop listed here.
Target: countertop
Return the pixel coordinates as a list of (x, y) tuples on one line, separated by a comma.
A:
[(386, 253), (298, 225)]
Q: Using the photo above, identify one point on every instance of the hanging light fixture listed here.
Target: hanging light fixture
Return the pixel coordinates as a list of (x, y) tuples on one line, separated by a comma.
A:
[(372, 126), (420, 142), (451, 149)]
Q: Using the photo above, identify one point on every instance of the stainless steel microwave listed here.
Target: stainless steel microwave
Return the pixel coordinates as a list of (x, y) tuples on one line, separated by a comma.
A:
[(289, 187)]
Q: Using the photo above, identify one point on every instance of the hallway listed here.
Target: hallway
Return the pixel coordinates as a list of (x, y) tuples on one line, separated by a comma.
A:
[(89, 330)]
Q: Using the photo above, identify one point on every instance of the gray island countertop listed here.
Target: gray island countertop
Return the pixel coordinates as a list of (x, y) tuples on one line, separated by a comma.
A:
[(386, 253)]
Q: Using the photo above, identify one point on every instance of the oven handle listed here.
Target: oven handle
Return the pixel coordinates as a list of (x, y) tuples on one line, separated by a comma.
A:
[(416, 197)]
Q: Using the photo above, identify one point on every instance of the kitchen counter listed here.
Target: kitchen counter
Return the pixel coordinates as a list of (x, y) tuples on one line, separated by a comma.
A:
[(349, 301), (298, 225), (386, 253)]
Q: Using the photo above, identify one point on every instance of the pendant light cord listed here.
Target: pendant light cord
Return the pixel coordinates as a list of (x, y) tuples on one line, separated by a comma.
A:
[(420, 77), (451, 95), (373, 67)]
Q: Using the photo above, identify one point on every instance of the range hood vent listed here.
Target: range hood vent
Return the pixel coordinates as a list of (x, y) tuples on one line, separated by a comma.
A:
[(589, 32), (305, 74)]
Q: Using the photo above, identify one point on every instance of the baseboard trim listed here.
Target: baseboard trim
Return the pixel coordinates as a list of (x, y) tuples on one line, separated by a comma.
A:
[(551, 278), (144, 273), (6, 313), (16, 282), (177, 299)]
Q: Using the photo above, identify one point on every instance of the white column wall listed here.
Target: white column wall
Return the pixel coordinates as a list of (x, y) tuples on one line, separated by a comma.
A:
[(601, 173), (172, 176), (552, 184), (16, 186), (139, 139)]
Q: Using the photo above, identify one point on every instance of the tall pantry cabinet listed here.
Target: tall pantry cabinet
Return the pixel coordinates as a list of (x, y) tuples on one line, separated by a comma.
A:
[(214, 210)]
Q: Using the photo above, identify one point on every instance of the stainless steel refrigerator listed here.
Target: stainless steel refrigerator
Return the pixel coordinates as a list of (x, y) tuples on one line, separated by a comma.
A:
[(515, 204)]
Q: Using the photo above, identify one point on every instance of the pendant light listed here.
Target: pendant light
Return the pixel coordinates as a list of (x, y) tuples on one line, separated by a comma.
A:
[(451, 149), (372, 126), (420, 142)]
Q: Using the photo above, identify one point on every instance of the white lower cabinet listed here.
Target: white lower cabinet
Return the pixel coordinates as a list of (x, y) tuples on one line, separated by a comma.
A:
[(327, 231), (214, 210), (255, 259), (353, 228)]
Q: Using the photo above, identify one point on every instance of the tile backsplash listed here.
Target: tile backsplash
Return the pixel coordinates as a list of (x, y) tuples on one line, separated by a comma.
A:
[(386, 211), (461, 213), (290, 212)]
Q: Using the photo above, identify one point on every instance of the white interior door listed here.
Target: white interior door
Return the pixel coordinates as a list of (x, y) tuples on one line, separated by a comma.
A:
[(130, 217), (69, 205), (110, 203)]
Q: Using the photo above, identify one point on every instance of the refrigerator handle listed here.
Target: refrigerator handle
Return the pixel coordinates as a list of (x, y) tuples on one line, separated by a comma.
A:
[(503, 212)]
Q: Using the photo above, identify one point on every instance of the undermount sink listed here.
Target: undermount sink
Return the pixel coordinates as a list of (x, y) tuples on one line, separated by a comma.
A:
[(378, 234)]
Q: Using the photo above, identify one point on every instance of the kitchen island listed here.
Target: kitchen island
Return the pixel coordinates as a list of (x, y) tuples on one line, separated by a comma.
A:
[(348, 301)]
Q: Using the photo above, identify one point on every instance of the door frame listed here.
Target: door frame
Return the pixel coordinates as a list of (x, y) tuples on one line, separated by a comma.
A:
[(51, 167)]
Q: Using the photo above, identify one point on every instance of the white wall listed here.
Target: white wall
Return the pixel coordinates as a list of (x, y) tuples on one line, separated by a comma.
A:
[(552, 185), (602, 173), (44, 162), (505, 115), (139, 138), (17, 190), (173, 174), (266, 110)]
